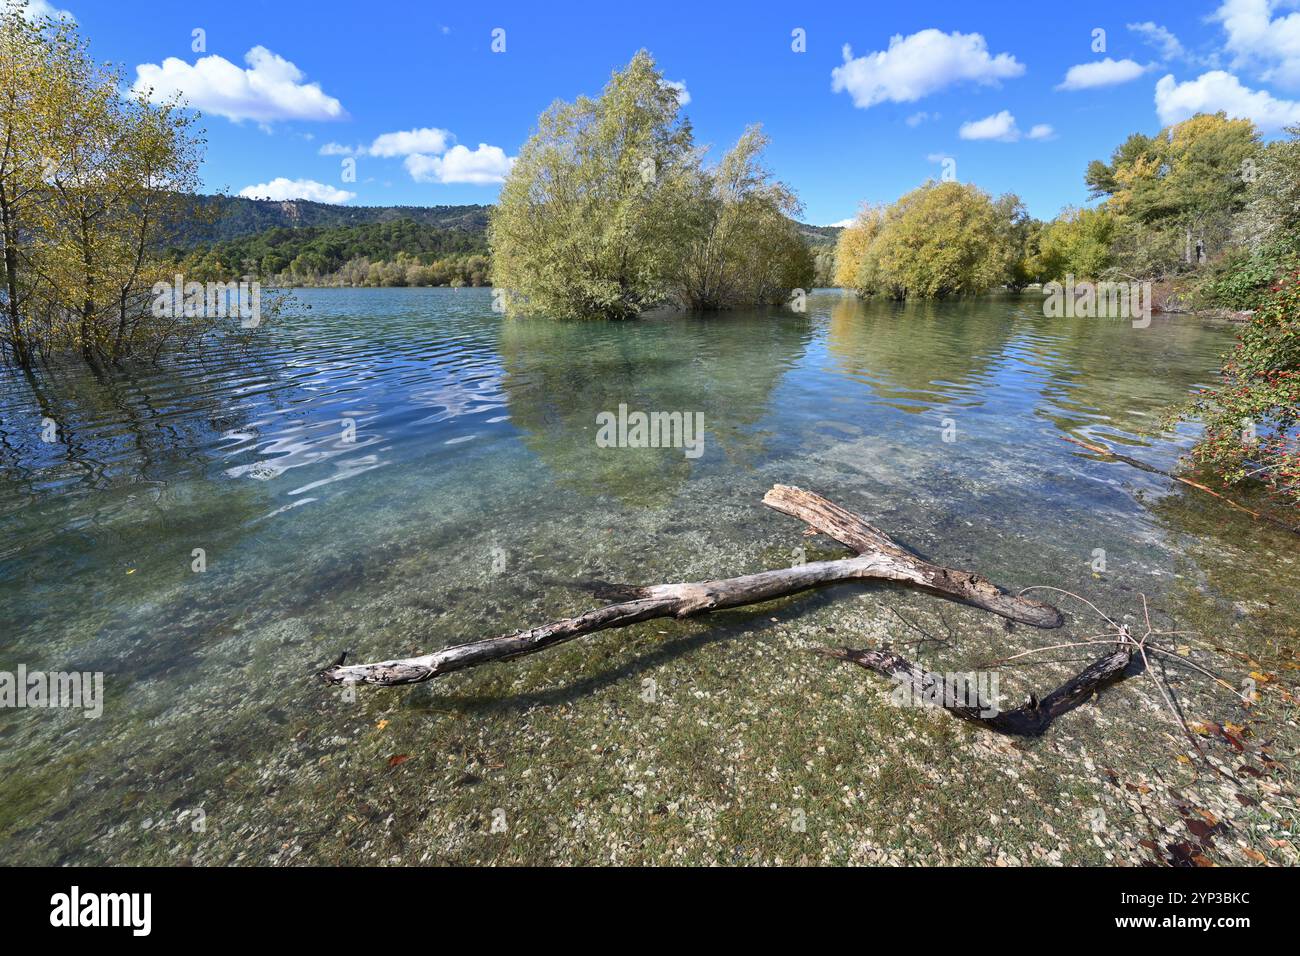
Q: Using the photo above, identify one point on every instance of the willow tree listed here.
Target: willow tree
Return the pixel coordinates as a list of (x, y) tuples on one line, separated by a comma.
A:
[(942, 239), (590, 219), (124, 171), (94, 183), (1272, 210), (1077, 243), (744, 249), (27, 54), (1023, 235), (1267, 232), (853, 243)]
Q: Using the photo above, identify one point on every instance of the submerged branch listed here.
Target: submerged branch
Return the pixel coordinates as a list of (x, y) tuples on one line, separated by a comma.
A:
[(878, 557), (1152, 469), (1029, 720)]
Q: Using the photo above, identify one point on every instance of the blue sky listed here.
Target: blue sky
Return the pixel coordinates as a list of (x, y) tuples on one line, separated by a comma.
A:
[(985, 85)]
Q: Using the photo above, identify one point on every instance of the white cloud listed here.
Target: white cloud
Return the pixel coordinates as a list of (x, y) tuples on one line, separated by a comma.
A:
[(271, 88), (842, 224), (1107, 72), (1002, 128), (282, 189), (1271, 46), (1216, 90), (683, 94), (999, 126), (1157, 36), (37, 9), (426, 139), (430, 158), (487, 164), (920, 64), (916, 119)]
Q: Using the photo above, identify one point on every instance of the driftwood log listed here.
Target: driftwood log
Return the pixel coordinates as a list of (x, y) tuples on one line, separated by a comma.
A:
[(1029, 720), (878, 557)]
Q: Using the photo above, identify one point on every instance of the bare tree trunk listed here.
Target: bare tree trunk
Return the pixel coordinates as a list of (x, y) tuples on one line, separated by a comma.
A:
[(878, 558), (10, 238), (88, 300)]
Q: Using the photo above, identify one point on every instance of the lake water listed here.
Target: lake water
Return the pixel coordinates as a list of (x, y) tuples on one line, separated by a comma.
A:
[(386, 471)]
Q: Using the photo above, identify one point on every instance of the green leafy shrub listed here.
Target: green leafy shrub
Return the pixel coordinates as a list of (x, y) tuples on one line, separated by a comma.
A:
[(941, 239), (1243, 280), (1252, 419)]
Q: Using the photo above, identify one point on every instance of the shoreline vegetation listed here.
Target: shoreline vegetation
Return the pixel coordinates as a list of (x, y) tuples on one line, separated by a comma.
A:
[(610, 210), (402, 252)]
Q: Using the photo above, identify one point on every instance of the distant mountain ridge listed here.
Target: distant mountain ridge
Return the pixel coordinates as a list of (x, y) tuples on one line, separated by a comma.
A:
[(234, 217), (819, 235)]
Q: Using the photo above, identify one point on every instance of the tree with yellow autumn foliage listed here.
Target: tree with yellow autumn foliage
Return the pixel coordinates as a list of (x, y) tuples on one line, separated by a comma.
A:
[(1176, 194), (92, 183), (942, 239)]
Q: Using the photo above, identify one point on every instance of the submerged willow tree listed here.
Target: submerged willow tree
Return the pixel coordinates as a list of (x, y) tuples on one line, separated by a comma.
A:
[(744, 249), (92, 183), (609, 211), (589, 219), (942, 239)]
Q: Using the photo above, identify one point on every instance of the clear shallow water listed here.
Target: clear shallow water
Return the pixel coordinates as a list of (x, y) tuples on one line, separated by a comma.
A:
[(472, 495)]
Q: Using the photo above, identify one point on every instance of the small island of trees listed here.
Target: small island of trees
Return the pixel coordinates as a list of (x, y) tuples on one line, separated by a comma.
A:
[(610, 210)]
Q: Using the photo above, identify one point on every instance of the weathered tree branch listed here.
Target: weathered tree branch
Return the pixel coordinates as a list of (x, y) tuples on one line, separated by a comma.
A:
[(899, 564), (1152, 469), (878, 558), (1029, 720)]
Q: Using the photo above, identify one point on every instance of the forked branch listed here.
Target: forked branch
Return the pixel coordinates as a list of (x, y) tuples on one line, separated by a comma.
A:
[(878, 557)]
